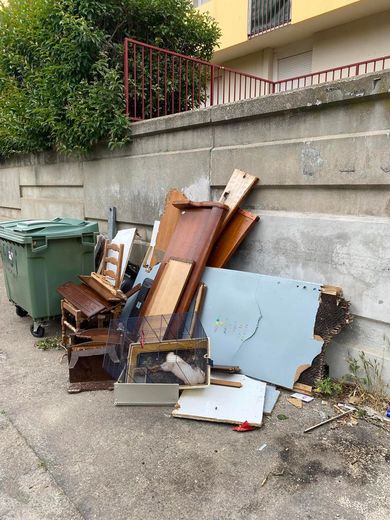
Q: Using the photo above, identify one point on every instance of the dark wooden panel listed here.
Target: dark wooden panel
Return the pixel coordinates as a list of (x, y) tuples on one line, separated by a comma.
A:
[(231, 237), (83, 298)]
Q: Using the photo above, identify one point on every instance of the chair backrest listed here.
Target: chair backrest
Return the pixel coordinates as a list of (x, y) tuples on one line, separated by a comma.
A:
[(112, 263)]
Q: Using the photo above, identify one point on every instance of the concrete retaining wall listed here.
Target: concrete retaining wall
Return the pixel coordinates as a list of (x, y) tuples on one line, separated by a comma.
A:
[(323, 158)]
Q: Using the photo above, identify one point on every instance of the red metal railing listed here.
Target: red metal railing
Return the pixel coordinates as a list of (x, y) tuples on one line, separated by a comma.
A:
[(337, 73), (159, 82), (266, 15)]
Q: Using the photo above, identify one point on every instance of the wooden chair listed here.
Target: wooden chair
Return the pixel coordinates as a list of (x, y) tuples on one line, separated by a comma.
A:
[(111, 266), (74, 321)]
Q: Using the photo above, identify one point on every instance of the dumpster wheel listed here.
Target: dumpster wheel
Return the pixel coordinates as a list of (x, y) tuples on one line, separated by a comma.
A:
[(37, 330), (20, 311)]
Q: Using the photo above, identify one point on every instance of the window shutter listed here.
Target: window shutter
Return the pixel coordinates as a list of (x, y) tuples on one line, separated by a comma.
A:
[(292, 66)]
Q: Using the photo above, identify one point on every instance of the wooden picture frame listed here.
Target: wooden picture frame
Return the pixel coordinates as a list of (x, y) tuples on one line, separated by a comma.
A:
[(141, 355)]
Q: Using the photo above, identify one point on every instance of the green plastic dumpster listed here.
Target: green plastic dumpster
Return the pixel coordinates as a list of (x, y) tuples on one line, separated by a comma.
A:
[(40, 255)]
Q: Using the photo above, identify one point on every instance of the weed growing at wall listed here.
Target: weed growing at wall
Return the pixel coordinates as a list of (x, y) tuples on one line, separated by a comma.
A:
[(61, 77)]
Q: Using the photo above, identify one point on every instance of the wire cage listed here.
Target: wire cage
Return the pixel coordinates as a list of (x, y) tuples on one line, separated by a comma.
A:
[(168, 349)]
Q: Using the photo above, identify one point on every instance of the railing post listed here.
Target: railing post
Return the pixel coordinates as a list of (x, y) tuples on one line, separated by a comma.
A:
[(126, 73), (212, 85)]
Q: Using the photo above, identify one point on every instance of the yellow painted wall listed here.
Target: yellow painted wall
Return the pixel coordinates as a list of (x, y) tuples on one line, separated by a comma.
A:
[(304, 9), (232, 17)]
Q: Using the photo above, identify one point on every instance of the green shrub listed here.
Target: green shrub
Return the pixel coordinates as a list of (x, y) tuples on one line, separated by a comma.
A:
[(328, 387), (61, 61)]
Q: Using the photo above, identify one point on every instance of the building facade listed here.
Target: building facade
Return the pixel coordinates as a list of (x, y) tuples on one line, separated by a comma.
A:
[(279, 39)]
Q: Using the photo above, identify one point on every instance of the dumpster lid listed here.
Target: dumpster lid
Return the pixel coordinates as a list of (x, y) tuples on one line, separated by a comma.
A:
[(56, 228)]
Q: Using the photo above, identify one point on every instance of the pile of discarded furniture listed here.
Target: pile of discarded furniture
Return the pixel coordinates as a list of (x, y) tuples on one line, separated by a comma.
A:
[(213, 342)]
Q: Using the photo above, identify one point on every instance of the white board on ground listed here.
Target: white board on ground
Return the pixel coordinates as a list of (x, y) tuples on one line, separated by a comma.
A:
[(223, 403), (125, 237), (271, 394)]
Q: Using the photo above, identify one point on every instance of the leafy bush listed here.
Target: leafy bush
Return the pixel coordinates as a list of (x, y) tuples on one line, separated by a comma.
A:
[(328, 387), (61, 61)]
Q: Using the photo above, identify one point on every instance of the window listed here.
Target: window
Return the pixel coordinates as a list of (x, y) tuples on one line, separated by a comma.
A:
[(269, 14), (197, 3)]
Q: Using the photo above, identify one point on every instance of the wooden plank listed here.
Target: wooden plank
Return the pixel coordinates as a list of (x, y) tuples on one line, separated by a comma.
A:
[(169, 220), (225, 382), (331, 289), (83, 298), (169, 288), (304, 389), (238, 187), (190, 204), (224, 404), (233, 234), (226, 368)]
